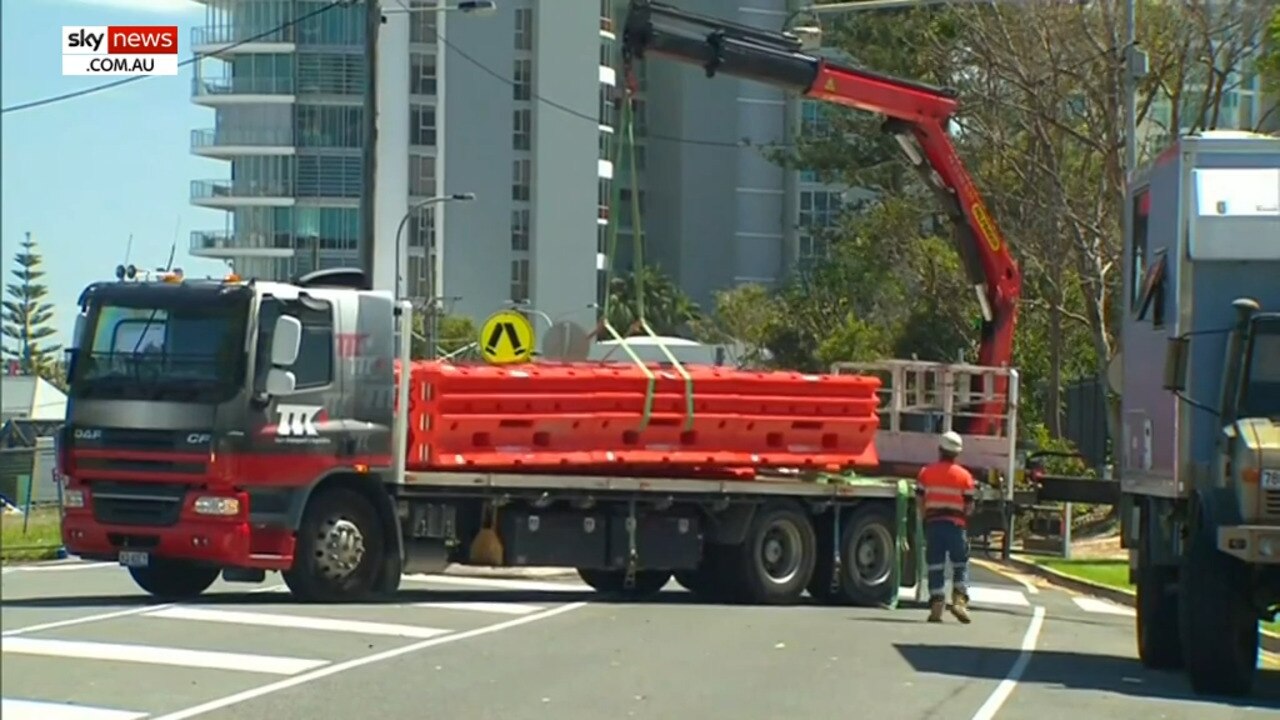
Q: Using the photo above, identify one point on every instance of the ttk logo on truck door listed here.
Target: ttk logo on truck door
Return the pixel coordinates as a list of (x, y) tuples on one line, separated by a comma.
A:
[(297, 420)]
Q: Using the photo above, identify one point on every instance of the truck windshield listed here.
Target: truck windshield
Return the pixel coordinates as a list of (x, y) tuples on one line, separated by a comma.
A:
[(1262, 384), (172, 347)]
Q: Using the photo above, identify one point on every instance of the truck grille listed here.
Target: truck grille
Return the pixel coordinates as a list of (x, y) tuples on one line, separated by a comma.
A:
[(1271, 503), (115, 452), (139, 504)]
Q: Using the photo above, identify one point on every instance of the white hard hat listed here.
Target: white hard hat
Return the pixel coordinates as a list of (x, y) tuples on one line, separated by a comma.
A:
[(951, 442)]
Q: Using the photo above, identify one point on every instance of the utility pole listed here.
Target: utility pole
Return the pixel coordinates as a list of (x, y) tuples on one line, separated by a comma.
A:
[(368, 191)]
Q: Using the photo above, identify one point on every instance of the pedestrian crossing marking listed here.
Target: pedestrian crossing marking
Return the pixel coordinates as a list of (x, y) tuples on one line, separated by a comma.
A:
[(296, 622), (11, 709), (987, 595), (155, 655), (1103, 607), (501, 608)]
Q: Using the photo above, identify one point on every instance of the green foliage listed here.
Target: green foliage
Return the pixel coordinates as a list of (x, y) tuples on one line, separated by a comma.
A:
[(27, 315), (1269, 62), (668, 310), (453, 333)]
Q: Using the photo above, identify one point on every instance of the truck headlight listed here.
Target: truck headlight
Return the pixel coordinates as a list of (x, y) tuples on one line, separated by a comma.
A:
[(73, 498), (217, 505)]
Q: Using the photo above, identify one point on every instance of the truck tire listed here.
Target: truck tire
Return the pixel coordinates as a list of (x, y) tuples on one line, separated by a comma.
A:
[(647, 582), (174, 579), (867, 547), (774, 564), (1219, 628), (340, 549), (1159, 641)]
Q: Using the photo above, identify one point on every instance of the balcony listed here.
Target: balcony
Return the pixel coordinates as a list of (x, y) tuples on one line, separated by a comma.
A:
[(241, 193), (246, 90), (214, 39), (236, 142), (224, 244)]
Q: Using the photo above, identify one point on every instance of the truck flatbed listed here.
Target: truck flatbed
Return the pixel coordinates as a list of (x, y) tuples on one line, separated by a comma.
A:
[(809, 486)]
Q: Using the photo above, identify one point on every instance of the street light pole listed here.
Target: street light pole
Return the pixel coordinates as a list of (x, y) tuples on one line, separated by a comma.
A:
[(374, 16), (400, 246)]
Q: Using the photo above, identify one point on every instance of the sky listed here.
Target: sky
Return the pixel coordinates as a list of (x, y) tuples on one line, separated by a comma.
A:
[(83, 175)]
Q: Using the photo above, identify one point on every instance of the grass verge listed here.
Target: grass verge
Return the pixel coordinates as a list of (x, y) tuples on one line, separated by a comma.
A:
[(1112, 573), (40, 539)]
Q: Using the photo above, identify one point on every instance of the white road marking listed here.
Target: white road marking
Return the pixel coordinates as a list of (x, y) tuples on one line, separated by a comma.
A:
[(987, 595), (362, 661), (156, 655), (62, 565), (106, 616), (238, 617), (1094, 605), (1006, 686), (489, 607), (501, 583), (31, 710)]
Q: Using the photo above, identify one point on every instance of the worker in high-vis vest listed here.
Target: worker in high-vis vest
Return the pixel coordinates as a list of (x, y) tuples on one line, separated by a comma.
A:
[(946, 491)]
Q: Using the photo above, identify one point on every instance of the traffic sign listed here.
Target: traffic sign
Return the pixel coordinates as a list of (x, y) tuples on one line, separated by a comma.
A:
[(506, 338)]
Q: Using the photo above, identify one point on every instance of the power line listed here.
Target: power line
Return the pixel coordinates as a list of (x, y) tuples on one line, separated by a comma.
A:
[(191, 60)]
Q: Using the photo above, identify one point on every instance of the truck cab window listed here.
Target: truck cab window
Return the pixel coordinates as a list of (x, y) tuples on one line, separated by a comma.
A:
[(314, 367), (1262, 378)]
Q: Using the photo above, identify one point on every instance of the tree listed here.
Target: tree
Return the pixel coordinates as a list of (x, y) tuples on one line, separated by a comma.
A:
[(454, 332), (668, 310), (27, 316), (1269, 66)]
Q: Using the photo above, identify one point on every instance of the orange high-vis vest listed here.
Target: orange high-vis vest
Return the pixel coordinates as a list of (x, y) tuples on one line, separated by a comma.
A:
[(945, 485)]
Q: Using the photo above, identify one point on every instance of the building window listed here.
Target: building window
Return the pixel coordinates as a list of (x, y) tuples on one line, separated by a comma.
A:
[(422, 228), (422, 25), (606, 55), (521, 128), (602, 199), (334, 126), (521, 179), (813, 248), (520, 230), (416, 281), (608, 108), (522, 80), (422, 73), (331, 74), (808, 176), (422, 125), (329, 176), (520, 280), (813, 119), (422, 175), (819, 209), (625, 217), (325, 228), (524, 29)]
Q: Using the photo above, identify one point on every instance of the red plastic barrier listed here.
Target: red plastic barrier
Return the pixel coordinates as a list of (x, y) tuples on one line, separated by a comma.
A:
[(588, 415)]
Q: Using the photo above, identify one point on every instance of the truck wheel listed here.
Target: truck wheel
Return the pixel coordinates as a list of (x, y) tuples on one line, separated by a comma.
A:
[(174, 579), (340, 549), (868, 553), (775, 563), (1219, 629), (1159, 644), (647, 582)]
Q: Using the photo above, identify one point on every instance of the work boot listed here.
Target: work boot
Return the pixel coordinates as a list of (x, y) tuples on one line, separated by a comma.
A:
[(936, 606), (960, 606)]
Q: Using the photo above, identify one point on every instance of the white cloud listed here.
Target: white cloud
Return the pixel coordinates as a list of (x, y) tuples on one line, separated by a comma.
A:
[(156, 6)]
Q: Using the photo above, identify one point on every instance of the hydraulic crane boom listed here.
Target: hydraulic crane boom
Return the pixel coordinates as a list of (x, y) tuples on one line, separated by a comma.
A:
[(917, 115)]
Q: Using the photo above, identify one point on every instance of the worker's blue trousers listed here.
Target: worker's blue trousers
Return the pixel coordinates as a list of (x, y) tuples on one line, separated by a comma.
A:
[(943, 540)]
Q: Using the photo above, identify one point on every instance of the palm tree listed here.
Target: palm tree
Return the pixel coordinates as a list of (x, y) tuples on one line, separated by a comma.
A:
[(667, 308)]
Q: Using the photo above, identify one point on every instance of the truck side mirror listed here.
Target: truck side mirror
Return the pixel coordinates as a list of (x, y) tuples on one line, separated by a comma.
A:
[(286, 341), (281, 382), (1176, 355)]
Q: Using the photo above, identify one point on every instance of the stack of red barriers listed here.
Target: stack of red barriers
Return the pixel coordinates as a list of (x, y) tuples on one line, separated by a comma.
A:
[(588, 417)]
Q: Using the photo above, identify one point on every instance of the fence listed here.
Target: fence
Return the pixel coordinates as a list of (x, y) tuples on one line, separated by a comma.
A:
[(31, 526)]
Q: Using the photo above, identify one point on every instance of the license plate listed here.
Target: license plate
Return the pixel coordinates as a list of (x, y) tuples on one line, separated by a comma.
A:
[(134, 559), (1271, 479)]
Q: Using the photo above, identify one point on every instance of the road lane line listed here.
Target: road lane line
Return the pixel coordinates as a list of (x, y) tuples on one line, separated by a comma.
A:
[(490, 607), (1006, 686), (1094, 605), (298, 622), (107, 616), (32, 710), (157, 655), (65, 566), (501, 583), (362, 661)]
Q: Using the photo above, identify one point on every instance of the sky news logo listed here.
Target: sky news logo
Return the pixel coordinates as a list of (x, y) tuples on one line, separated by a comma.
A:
[(120, 50)]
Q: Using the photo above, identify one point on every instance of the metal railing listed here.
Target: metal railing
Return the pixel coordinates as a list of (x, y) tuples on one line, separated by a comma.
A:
[(227, 34), (204, 87), (252, 137), (214, 189)]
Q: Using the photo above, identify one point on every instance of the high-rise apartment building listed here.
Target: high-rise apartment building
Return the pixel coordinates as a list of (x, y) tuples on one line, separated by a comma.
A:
[(518, 107)]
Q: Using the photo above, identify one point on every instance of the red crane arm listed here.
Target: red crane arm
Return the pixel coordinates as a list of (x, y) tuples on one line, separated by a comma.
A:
[(917, 115)]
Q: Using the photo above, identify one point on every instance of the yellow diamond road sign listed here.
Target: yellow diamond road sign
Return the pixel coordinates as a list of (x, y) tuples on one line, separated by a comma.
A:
[(506, 338)]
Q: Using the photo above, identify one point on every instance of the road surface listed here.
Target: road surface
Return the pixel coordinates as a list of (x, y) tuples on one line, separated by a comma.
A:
[(80, 642)]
